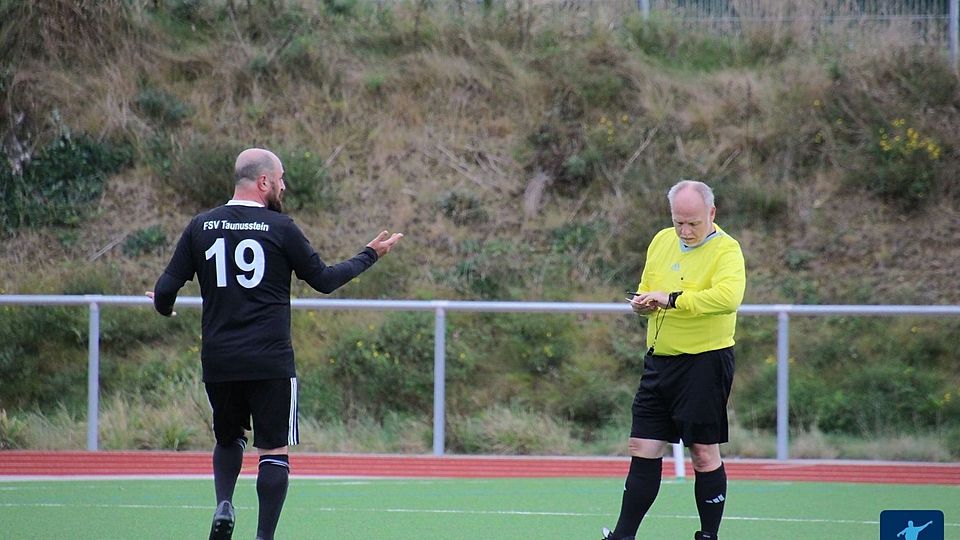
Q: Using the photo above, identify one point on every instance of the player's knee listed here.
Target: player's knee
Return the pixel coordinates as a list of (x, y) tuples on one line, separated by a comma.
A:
[(705, 457), (645, 448)]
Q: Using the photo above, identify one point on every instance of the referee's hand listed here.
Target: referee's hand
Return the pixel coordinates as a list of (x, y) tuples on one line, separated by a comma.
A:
[(382, 244), (641, 307)]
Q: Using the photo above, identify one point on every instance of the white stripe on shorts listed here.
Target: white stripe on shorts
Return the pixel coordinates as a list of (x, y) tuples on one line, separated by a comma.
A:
[(293, 426)]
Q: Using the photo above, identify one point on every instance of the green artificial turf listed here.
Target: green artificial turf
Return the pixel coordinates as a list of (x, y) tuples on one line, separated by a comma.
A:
[(408, 509)]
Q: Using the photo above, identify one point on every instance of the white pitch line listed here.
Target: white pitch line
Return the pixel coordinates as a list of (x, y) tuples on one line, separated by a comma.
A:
[(457, 511)]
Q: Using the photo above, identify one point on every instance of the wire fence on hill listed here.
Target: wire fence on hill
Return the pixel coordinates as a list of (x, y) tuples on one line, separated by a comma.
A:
[(926, 22)]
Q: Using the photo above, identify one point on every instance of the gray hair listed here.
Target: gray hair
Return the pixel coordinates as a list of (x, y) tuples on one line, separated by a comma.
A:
[(701, 188)]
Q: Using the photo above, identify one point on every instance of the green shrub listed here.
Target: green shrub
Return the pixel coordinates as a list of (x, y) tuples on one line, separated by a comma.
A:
[(577, 237), (391, 368), (530, 347), (200, 172), (903, 170), (591, 400), (145, 240), (43, 349), (42, 356), (672, 45), (305, 58), (165, 108), (308, 182), (486, 270), (462, 208), (877, 397), (61, 185), (750, 202)]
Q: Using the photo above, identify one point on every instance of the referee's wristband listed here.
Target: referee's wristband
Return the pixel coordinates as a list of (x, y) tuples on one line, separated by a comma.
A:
[(672, 299)]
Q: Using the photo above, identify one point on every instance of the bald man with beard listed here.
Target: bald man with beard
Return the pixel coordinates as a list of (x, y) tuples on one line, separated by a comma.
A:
[(243, 254)]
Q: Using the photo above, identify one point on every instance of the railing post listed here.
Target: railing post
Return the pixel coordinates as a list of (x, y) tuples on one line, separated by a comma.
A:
[(783, 384), (439, 378), (644, 6), (93, 377), (954, 32), (679, 468)]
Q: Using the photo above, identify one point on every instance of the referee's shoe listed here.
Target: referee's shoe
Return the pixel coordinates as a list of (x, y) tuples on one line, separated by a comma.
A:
[(608, 535), (223, 520)]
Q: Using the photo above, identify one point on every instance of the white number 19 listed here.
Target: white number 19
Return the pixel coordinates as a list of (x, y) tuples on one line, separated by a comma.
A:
[(256, 264)]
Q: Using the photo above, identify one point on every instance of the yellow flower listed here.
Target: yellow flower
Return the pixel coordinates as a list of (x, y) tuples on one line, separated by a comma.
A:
[(816, 103)]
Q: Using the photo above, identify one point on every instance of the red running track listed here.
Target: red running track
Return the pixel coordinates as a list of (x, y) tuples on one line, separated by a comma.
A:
[(19, 463)]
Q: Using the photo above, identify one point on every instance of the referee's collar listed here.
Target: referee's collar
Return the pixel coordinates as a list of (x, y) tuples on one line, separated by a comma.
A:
[(243, 202), (716, 233)]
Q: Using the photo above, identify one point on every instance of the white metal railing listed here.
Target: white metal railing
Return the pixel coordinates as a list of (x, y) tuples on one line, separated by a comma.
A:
[(441, 307)]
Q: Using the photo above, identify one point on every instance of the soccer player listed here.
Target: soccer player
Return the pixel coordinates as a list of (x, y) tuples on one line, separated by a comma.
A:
[(243, 254), (691, 286)]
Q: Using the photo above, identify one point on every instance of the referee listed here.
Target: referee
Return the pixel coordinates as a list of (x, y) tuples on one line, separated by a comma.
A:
[(243, 254), (692, 284)]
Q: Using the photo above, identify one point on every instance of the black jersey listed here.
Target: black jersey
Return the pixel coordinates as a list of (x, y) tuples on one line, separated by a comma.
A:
[(242, 256)]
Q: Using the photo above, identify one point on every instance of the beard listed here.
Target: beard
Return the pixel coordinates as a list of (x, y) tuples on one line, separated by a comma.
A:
[(274, 203)]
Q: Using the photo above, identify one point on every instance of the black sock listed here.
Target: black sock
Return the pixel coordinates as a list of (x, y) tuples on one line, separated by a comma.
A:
[(272, 483), (227, 460), (639, 492), (710, 490)]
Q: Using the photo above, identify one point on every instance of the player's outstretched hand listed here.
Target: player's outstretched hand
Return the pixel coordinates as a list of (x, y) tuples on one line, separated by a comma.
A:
[(384, 242), (150, 296)]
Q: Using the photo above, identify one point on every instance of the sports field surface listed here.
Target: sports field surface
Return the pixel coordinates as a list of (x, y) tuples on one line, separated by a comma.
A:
[(126, 495)]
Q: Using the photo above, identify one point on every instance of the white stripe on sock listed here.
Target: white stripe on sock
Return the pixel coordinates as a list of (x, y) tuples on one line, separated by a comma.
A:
[(293, 429)]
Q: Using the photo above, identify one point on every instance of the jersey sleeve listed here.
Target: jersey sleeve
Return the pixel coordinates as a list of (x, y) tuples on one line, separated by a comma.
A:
[(726, 289), (308, 266), (180, 270)]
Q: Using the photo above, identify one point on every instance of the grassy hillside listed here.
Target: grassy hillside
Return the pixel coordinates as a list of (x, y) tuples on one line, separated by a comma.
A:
[(525, 152)]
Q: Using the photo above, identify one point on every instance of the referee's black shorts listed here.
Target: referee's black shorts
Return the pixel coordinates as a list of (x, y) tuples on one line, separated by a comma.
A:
[(684, 397), (272, 403)]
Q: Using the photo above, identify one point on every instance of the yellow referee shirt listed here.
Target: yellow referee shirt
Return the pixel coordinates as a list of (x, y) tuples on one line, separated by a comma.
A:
[(712, 278)]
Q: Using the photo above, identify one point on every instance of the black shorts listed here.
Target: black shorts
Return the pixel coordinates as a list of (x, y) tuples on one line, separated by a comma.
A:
[(271, 402), (684, 397)]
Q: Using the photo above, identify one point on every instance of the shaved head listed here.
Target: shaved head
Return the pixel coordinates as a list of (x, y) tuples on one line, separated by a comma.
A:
[(254, 162), (258, 176)]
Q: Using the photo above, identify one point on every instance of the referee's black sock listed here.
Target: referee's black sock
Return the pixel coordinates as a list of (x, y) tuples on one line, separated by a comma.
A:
[(272, 481), (227, 460), (639, 492), (710, 489)]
